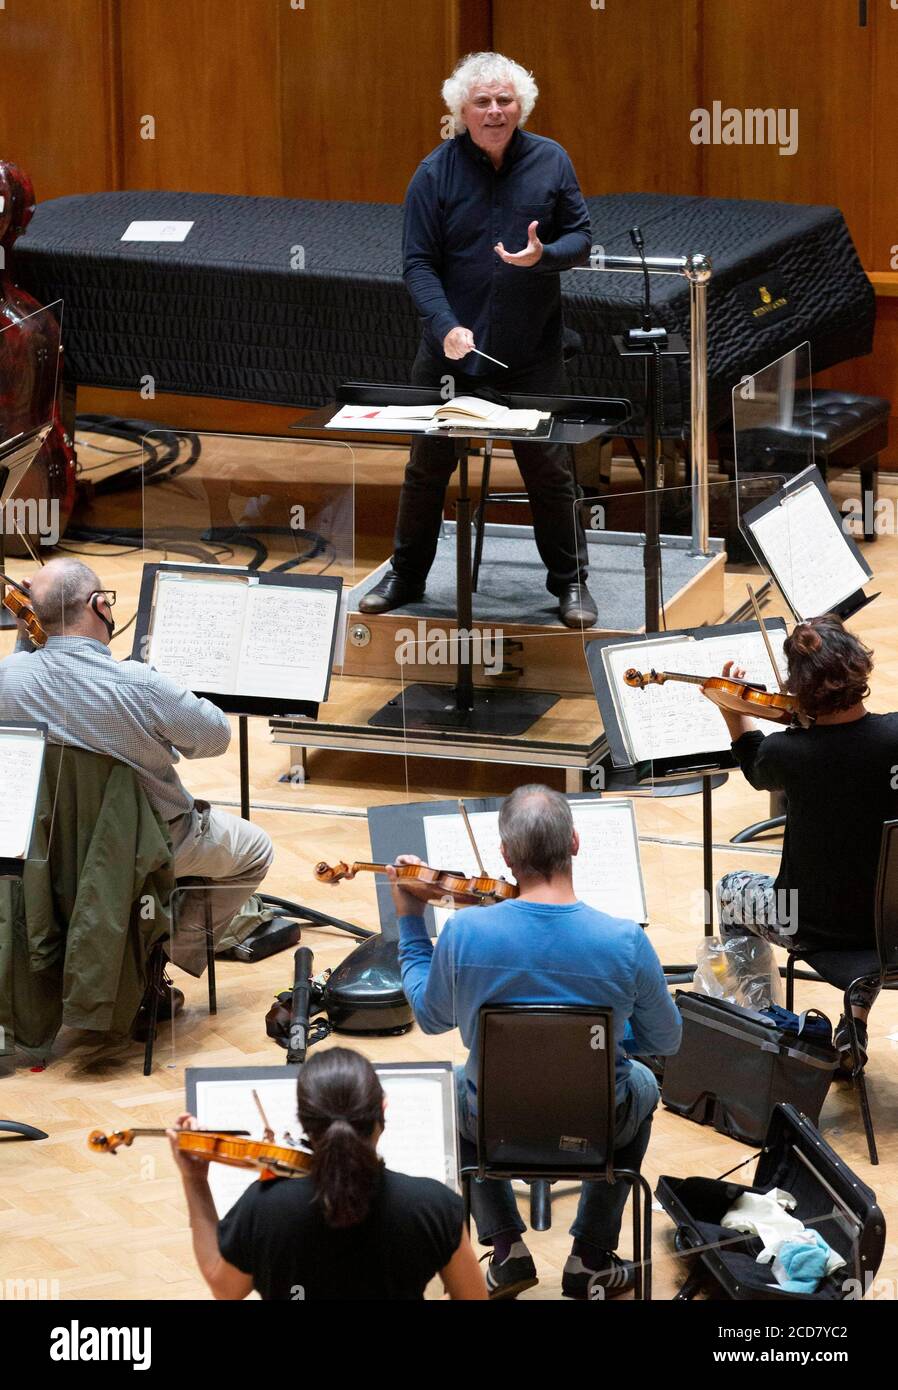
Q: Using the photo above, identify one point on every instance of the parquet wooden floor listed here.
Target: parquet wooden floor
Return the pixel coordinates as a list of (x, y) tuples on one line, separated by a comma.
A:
[(93, 1227)]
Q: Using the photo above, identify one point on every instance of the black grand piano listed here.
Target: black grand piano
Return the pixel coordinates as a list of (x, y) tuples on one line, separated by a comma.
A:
[(278, 301)]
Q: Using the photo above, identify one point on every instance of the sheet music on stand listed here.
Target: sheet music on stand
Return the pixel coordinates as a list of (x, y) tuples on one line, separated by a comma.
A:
[(672, 726), (252, 641), (22, 748), (799, 538), (607, 871), (419, 1136)]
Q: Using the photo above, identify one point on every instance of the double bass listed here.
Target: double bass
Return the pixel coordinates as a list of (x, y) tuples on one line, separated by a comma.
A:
[(30, 368)]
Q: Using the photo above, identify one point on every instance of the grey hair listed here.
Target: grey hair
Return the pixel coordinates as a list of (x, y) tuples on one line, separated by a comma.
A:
[(71, 586), (536, 829), (478, 68)]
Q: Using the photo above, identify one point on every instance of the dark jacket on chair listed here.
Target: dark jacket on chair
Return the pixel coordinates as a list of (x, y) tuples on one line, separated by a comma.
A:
[(76, 931)]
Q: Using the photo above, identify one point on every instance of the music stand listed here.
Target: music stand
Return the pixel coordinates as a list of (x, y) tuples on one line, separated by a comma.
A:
[(575, 420), (245, 706), (711, 767)]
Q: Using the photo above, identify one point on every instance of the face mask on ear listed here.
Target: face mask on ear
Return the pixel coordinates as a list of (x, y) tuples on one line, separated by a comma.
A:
[(107, 622)]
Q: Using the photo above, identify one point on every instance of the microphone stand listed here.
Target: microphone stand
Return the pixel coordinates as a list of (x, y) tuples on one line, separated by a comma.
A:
[(650, 342)]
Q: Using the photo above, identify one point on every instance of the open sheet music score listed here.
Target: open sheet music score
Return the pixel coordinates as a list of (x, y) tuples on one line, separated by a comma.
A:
[(233, 635), (675, 720), (419, 1126), (607, 871), (806, 551), (21, 762)]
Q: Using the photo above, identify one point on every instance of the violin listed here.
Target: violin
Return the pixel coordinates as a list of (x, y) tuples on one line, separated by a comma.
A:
[(18, 602), (234, 1150), (741, 697), (430, 885)]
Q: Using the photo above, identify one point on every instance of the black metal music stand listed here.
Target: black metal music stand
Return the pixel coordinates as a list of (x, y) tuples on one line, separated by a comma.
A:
[(576, 420)]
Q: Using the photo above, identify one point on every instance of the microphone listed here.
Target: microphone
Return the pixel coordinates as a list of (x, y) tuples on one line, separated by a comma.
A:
[(647, 335), (298, 1039)]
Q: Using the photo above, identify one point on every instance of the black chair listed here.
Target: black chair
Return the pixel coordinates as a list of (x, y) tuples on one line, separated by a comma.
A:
[(546, 1111), (156, 965), (846, 969)]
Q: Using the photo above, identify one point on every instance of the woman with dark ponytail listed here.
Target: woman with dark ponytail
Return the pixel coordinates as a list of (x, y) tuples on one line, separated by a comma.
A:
[(351, 1230), (840, 779)]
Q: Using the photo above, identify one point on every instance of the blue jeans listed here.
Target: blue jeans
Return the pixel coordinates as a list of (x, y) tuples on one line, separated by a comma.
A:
[(601, 1207)]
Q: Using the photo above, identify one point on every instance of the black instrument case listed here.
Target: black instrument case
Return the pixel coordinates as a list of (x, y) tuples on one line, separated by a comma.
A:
[(734, 1067)]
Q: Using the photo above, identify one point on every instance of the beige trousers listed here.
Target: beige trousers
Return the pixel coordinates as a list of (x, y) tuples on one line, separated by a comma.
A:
[(232, 856)]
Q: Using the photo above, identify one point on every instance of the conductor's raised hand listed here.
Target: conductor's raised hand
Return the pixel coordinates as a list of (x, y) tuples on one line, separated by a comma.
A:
[(407, 904), (458, 343), (531, 253)]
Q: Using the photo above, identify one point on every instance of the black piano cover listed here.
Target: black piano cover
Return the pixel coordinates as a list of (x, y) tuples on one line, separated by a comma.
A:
[(276, 300)]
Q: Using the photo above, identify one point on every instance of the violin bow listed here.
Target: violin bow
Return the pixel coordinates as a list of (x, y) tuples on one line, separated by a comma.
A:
[(776, 670), (269, 1132), (464, 815)]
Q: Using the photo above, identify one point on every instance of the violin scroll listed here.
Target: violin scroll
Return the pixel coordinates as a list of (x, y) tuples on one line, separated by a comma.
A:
[(109, 1143), (327, 873), (640, 679)]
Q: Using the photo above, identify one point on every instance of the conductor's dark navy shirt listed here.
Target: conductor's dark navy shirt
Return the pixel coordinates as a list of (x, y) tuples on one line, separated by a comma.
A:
[(456, 209)]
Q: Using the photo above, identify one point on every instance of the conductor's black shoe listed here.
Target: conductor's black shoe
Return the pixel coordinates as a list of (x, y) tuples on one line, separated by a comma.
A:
[(392, 592), (513, 1275), (170, 1005), (842, 1044), (577, 605), (615, 1277)]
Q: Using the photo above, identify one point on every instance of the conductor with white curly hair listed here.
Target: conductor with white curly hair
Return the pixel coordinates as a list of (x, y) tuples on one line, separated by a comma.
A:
[(491, 218)]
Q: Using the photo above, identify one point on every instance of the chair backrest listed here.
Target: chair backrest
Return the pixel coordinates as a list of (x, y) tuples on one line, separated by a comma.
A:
[(886, 911), (545, 1094)]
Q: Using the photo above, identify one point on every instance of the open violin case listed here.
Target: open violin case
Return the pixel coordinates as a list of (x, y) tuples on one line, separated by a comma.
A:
[(830, 1199)]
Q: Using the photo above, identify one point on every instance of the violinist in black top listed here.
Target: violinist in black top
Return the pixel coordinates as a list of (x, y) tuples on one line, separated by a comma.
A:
[(840, 778)]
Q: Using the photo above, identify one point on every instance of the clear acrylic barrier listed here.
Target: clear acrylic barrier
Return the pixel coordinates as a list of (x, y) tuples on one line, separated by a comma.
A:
[(36, 488), (773, 419)]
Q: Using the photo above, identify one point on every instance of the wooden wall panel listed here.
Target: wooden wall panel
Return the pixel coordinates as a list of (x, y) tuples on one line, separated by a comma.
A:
[(814, 58), (617, 86), (361, 91), (883, 136), (58, 93), (208, 74)]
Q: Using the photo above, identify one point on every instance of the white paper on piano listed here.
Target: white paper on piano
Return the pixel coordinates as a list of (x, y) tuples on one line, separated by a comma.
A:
[(807, 553), (21, 760), (233, 636), (414, 1140), (157, 231), (675, 720), (607, 870)]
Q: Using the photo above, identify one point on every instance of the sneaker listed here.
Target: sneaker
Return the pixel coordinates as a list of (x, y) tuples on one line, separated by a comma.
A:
[(617, 1276), (516, 1272), (842, 1044)]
